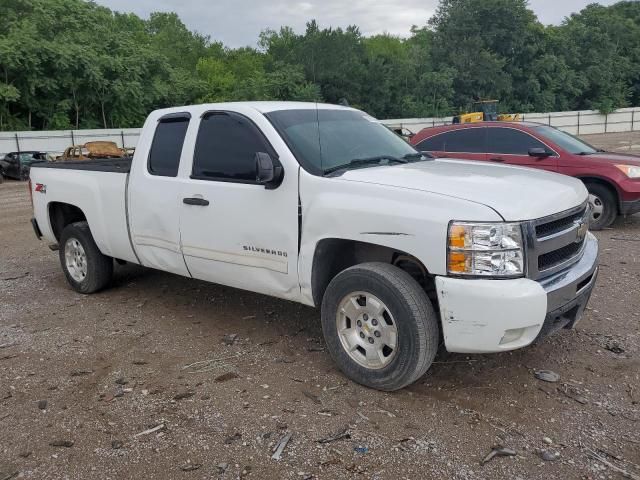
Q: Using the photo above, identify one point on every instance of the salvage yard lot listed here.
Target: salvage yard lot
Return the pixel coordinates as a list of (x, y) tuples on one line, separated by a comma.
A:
[(146, 380)]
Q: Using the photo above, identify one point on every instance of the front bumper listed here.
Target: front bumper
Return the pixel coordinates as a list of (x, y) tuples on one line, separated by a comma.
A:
[(630, 207), (484, 316)]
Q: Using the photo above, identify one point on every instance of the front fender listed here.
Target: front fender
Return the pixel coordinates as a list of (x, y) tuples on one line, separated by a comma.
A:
[(408, 220)]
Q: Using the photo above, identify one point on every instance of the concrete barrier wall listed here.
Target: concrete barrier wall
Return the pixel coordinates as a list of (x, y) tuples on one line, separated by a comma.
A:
[(56, 141), (583, 122)]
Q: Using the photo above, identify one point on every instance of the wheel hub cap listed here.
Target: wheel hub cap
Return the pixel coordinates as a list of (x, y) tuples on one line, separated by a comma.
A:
[(597, 207), (75, 259), (367, 330)]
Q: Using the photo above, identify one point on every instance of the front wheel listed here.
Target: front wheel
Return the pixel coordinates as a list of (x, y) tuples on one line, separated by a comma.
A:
[(604, 208), (86, 268), (380, 326)]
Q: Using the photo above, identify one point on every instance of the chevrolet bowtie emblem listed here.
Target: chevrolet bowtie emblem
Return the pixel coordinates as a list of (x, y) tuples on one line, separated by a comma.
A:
[(581, 233)]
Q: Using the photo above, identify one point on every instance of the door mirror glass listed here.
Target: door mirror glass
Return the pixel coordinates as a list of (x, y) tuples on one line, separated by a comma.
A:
[(265, 169), (539, 152)]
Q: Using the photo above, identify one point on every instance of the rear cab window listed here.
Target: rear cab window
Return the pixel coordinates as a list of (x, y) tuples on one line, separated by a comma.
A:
[(166, 148)]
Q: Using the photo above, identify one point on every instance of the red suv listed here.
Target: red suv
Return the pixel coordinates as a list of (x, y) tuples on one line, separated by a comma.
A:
[(613, 179)]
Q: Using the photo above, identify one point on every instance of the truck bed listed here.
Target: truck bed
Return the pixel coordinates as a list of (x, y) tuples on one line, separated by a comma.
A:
[(114, 165)]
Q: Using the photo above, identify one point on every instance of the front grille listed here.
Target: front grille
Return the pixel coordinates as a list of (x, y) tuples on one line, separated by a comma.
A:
[(558, 257), (554, 242), (559, 225)]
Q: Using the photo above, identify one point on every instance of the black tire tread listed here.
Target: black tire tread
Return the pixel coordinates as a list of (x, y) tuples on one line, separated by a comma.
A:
[(100, 267), (421, 309), (608, 198)]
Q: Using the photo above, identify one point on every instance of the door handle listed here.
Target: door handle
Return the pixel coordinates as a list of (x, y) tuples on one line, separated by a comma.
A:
[(496, 159), (195, 201)]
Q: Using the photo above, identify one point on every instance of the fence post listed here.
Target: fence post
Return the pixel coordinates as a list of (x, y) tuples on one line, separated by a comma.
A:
[(633, 117), (17, 142), (122, 137), (73, 140), (606, 121), (549, 119), (578, 122)]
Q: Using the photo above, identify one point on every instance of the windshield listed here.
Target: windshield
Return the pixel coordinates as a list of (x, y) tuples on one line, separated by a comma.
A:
[(323, 139), (568, 142)]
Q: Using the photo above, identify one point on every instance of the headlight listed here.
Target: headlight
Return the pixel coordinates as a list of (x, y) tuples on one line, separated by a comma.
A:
[(630, 170), (485, 249)]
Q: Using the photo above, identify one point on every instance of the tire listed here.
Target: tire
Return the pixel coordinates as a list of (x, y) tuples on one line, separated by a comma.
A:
[(605, 206), (86, 268), (404, 303)]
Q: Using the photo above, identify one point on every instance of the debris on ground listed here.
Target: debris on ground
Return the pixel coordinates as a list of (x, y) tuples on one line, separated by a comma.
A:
[(116, 444), (614, 347), (573, 393), (230, 338), (232, 438), (222, 467), (183, 395), (149, 431), (280, 446), (62, 443), (344, 433), (546, 376), (548, 456), (604, 461), (498, 451), (226, 376), (361, 450), (42, 404), (314, 398), (190, 467)]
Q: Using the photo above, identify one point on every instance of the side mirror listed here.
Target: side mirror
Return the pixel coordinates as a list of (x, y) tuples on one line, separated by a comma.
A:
[(539, 152), (267, 173)]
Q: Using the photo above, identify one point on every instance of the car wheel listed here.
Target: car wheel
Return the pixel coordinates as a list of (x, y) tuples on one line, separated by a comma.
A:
[(380, 326), (604, 207), (87, 270)]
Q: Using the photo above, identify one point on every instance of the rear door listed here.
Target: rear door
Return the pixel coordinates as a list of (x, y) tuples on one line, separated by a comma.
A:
[(466, 143), (512, 146), (235, 231), (155, 198)]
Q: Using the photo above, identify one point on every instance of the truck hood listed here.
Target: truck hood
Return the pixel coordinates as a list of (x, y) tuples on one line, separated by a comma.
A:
[(615, 158), (516, 193)]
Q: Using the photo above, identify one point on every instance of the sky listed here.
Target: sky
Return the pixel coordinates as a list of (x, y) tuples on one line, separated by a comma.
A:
[(237, 23)]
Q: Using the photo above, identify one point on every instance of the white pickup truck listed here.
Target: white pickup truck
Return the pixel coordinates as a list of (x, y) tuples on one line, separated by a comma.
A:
[(323, 205)]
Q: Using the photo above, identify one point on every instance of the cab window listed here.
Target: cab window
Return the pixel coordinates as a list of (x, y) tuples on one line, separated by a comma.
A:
[(226, 148), (508, 141), (164, 157), (468, 140)]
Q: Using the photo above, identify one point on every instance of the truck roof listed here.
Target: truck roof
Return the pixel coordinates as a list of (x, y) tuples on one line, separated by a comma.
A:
[(262, 106)]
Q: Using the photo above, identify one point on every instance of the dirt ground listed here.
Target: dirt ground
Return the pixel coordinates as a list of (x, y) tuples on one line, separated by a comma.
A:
[(139, 381)]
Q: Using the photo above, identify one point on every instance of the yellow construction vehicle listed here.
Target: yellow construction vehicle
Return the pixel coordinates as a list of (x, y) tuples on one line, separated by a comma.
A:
[(486, 111)]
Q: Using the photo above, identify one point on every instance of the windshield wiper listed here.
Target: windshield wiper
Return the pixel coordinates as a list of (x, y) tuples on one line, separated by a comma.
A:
[(417, 156), (357, 162), (585, 153)]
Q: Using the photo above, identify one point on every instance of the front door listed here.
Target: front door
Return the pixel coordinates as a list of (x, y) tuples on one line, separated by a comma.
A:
[(234, 231), (512, 147)]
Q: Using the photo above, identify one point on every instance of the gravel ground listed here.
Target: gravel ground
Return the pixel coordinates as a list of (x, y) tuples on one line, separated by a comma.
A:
[(143, 381)]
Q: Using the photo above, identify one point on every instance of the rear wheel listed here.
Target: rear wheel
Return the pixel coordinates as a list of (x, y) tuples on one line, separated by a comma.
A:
[(604, 207), (86, 268), (380, 326)]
